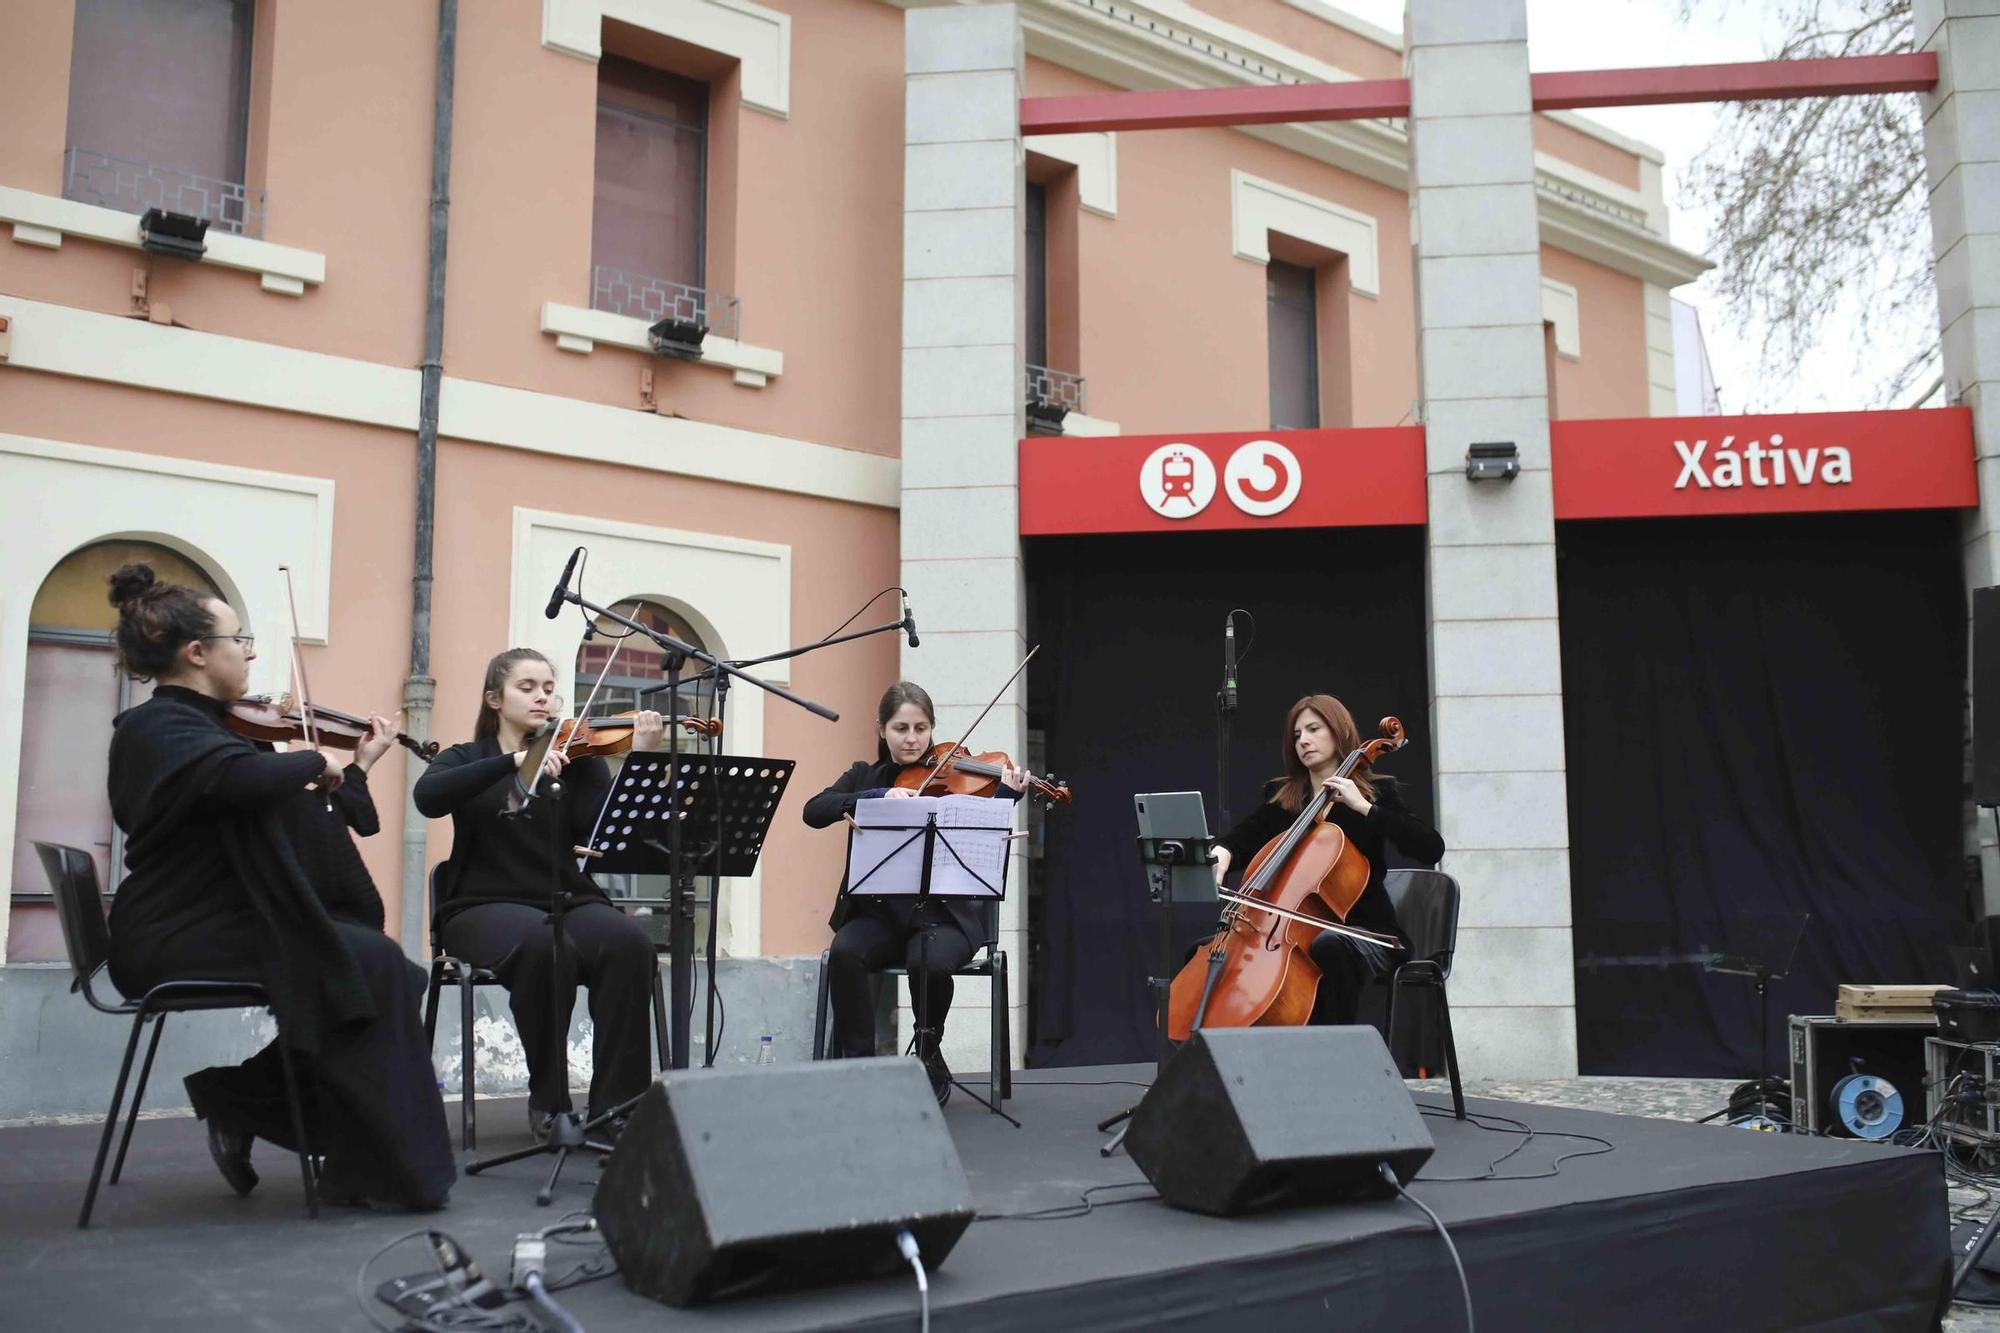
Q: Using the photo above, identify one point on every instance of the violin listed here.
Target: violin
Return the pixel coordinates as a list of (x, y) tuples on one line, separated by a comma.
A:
[(577, 737), (261, 717), (1258, 970), (949, 770)]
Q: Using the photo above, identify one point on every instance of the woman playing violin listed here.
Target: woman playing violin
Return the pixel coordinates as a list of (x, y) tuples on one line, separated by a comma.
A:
[(871, 932), (492, 896), (216, 889), (1319, 734)]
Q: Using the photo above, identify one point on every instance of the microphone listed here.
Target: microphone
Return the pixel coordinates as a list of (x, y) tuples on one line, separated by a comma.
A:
[(909, 623), (1229, 663), (562, 586)]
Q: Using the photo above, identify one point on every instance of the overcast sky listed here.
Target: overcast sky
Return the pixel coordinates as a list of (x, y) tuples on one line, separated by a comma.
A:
[(1608, 34)]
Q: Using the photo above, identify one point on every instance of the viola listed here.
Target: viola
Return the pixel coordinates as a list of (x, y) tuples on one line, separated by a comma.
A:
[(1258, 970), (949, 771), (264, 718), (577, 737)]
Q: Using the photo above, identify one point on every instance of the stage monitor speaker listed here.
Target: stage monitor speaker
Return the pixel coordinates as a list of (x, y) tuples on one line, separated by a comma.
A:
[(1243, 1119), (733, 1182), (1986, 696)]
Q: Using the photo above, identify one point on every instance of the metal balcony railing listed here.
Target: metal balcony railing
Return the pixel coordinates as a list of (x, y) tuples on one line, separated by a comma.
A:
[(91, 177), (641, 296), (1053, 395)]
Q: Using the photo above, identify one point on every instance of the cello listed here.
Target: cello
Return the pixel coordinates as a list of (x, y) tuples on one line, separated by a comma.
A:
[(1257, 971)]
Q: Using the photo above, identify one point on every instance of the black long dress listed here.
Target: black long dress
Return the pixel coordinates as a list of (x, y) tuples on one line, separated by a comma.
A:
[(492, 909), (1348, 965), (932, 938), (215, 889)]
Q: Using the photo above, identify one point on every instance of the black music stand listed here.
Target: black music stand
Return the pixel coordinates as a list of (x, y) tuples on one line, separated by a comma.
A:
[(1769, 946), (911, 867), (735, 795)]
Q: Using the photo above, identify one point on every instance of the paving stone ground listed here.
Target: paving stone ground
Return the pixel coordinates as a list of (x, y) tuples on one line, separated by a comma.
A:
[(1690, 1099)]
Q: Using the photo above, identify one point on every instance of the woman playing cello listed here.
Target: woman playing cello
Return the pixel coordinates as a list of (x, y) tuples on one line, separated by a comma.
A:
[(1319, 734)]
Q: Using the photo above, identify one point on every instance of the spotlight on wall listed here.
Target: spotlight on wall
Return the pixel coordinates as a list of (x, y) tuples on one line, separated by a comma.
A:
[(176, 234), (677, 337), (1492, 462)]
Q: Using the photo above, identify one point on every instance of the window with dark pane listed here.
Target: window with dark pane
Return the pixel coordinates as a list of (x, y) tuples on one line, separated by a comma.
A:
[(1038, 275), (1292, 321), (165, 83), (652, 150)]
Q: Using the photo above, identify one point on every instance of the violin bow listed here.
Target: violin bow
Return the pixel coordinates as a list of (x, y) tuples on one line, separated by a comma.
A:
[(306, 717), (961, 746)]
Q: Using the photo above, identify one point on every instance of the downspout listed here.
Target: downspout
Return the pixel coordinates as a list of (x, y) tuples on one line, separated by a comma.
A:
[(419, 688)]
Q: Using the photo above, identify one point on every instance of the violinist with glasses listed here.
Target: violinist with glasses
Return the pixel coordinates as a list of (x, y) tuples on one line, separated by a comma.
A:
[(215, 888)]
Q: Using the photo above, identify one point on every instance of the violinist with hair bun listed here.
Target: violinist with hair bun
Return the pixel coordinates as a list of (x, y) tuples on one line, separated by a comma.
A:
[(872, 932), (493, 894), (216, 889)]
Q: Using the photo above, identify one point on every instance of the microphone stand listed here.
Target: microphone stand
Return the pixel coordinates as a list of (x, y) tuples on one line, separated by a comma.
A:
[(720, 672)]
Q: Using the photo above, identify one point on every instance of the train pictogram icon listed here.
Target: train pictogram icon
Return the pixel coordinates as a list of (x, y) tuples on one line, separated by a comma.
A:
[(1177, 479)]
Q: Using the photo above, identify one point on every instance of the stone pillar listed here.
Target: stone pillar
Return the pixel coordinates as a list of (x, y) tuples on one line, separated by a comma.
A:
[(1962, 157), (1496, 673), (963, 318)]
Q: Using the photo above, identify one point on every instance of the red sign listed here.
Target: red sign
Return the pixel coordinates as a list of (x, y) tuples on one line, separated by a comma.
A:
[(1201, 483), (1650, 467)]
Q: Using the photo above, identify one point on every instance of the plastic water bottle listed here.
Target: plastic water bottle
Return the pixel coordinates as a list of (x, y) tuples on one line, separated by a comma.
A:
[(764, 1055)]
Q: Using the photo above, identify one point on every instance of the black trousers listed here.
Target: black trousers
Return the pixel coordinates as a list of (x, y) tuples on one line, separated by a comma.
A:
[(371, 1102), (1347, 968), (878, 938), (608, 951)]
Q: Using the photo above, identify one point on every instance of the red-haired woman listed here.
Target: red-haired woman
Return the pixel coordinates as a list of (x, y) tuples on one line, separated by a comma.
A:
[(1320, 734)]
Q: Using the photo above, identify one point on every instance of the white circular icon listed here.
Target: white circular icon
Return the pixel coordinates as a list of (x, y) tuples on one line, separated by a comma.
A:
[(1177, 481), (1262, 478)]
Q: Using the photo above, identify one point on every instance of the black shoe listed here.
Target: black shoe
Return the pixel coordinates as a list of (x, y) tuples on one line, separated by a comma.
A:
[(541, 1124), (337, 1197), (940, 1076), (231, 1152)]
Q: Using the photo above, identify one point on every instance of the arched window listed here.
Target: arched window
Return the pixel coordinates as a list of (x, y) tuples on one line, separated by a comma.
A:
[(73, 690), (626, 673)]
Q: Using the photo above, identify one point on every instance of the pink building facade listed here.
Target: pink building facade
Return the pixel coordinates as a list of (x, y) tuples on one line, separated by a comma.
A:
[(259, 407)]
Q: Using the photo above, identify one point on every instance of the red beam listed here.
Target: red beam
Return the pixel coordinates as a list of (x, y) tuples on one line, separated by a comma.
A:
[(1380, 99), (1756, 81), (1184, 108)]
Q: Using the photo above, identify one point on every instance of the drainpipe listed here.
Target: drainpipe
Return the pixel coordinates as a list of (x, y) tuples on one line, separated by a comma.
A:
[(419, 688)]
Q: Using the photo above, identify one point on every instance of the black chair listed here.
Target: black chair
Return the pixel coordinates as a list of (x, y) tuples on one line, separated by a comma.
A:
[(449, 971), (988, 960), (80, 909), (1426, 903)]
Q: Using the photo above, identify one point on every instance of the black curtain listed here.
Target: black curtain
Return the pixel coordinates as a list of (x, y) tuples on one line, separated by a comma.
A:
[(1124, 695), (1763, 715)]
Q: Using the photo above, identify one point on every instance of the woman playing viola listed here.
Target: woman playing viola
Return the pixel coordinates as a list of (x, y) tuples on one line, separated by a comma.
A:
[(216, 889), (493, 894), (1319, 734), (872, 932)]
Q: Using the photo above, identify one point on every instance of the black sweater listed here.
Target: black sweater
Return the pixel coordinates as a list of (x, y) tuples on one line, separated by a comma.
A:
[(498, 859), (1389, 823)]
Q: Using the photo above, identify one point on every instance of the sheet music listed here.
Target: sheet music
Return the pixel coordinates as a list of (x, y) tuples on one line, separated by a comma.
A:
[(887, 848)]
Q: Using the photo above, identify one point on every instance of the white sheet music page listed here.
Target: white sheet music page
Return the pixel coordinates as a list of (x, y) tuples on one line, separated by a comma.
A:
[(886, 853)]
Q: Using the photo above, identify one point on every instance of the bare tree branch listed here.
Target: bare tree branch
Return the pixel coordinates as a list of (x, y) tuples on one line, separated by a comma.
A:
[(1818, 205)]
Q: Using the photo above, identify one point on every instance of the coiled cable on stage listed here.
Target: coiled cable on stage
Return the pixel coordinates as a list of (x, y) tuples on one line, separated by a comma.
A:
[(1464, 1288)]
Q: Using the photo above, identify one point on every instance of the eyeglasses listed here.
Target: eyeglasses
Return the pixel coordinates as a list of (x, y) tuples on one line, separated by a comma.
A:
[(246, 641)]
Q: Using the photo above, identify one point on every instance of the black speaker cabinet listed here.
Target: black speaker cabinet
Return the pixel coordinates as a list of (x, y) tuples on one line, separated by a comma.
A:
[(1251, 1118), (1986, 696), (737, 1182)]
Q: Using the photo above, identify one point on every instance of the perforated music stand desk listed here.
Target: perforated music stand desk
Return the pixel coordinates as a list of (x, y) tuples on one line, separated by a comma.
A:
[(930, 847), (655, 789)]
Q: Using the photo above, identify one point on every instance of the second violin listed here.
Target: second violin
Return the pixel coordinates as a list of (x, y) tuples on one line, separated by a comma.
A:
[(949, 771)]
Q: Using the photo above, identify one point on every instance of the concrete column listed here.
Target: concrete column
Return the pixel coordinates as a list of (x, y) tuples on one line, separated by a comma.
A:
[(1497, 724), (963, 318), (1962, 156)]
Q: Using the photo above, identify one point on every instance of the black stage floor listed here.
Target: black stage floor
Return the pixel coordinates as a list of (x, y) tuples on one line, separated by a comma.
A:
[(1679, 1227)]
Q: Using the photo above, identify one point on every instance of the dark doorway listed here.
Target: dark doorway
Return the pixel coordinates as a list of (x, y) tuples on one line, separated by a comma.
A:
[(1124, 698), (1763, 715)]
